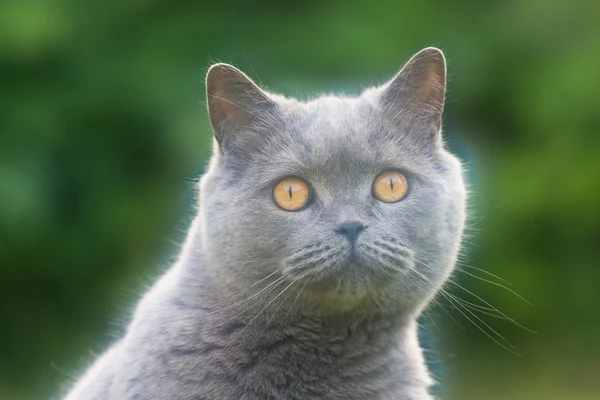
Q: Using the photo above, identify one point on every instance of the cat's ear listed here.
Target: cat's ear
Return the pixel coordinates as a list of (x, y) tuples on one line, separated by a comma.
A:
[(234, 101), (418, 90)]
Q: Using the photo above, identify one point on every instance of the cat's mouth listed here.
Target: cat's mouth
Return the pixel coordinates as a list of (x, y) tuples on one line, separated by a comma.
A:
[(346, 267)]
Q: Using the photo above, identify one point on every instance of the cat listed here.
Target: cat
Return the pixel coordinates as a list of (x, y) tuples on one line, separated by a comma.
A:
[(323, 230)]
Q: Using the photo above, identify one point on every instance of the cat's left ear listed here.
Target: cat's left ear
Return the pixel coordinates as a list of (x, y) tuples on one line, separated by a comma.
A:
[(418, 90), (234, 101)]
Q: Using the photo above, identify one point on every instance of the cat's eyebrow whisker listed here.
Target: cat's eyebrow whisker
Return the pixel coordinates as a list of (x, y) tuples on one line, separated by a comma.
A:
[(477, 221), (253, 70), (496, 284)]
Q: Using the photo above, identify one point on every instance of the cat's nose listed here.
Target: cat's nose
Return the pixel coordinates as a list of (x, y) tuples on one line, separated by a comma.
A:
[(351, 229)]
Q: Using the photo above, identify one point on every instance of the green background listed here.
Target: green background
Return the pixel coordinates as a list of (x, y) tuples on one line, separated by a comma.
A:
[(103, 132)]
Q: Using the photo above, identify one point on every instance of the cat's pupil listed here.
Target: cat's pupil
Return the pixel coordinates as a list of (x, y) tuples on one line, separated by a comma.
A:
[(290, 191), (392, 184)]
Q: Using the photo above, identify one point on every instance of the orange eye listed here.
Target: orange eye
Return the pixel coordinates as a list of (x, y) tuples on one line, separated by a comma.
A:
[(390, 186), (291, 194)]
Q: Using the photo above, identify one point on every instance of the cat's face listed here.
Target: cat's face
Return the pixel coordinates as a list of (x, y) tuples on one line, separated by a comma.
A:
[(350, 198)]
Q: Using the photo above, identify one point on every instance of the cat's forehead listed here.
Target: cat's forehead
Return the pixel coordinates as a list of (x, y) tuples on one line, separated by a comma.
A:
[(332, 136), (330, 119), (347, 130)]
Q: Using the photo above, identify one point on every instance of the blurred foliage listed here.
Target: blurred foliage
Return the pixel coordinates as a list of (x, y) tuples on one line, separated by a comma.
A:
[(103, 131)]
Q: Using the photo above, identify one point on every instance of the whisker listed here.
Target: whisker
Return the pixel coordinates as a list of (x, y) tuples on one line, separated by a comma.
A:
[(497, 284), (444, 293), (461, 287), (485, 332), (478, 306), (278, 308), (484, 312), (294, 302), (438, 303), (266, 289), (482, 270), (247, 308), (249, 298), (489, 212), (265, 278), (488, 304), (433, 322), (253, 70), (261, 311), (269, 287)]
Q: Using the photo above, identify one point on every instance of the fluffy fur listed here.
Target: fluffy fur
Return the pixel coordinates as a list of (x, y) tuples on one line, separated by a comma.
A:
[(265, 303)]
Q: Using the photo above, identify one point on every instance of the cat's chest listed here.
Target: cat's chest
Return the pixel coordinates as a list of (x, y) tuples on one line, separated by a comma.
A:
[(288, 369)]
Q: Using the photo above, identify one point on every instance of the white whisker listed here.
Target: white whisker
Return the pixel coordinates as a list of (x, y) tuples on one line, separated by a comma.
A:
[(261, 311)]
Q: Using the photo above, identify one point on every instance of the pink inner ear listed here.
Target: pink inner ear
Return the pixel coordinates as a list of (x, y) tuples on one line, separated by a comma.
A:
[(431, 84), (224, 105)]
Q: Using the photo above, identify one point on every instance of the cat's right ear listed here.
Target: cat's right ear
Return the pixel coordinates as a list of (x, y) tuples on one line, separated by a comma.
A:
[(418, 90), (234, 101)]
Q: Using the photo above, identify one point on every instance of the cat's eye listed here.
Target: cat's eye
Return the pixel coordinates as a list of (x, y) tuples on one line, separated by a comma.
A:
[(390, 186), (291, 194)]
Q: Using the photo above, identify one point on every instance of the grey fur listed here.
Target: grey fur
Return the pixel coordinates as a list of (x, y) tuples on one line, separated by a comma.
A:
[(266, 304)]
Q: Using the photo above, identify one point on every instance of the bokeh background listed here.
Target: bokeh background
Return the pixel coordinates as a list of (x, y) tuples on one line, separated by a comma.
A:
[(103, 131)]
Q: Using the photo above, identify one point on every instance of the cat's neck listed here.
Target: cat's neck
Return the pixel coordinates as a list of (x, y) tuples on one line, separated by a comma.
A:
[(347, 351)]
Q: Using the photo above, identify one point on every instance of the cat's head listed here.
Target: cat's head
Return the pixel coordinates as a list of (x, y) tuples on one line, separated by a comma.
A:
[(351, 199)]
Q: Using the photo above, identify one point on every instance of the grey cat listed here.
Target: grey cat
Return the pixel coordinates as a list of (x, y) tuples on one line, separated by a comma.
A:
[(323, 230)]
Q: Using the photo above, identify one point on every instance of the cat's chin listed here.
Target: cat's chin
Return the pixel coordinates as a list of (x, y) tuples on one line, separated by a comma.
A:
[(347, 295), (350, 280)]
